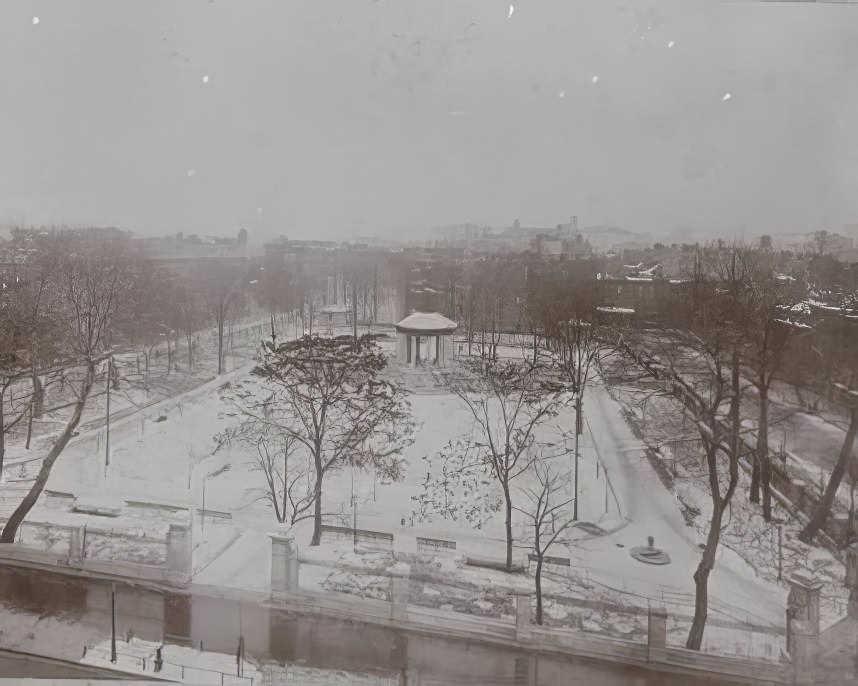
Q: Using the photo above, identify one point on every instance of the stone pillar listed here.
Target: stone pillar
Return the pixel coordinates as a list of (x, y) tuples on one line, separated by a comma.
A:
[(76, 539), (657, 635), (803, 640), (803, 604), (523, 615), (179, 552), (284, 564), (399, 587)]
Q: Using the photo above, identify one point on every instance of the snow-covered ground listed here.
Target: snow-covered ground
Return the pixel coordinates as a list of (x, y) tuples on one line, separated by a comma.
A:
[(168, 462), (203, 668), (749, 545)]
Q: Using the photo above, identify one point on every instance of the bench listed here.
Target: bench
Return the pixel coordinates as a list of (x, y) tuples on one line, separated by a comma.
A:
[(549, 560)]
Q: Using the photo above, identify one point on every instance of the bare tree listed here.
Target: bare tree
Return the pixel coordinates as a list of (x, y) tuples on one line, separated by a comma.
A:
[(187, 315), (332, 398), (709, 302), (221, 287), (143, 321), (834, 341), (285, 465), (88, 284), (13, 366), (772, 324), (545, 505), (571, 312), (272, 291), (507, 402)]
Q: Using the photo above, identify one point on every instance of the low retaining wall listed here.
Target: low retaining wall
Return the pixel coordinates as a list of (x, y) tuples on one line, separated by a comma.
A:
[(377, 538), (109, 551)]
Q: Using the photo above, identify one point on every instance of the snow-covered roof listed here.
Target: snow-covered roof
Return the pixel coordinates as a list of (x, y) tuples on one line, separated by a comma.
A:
[(427, 321)]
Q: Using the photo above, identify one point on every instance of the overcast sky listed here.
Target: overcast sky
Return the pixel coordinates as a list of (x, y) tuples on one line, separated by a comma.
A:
[(332, 117)]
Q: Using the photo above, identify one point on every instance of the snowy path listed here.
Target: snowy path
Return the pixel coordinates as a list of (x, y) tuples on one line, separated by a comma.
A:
[(652, 511)]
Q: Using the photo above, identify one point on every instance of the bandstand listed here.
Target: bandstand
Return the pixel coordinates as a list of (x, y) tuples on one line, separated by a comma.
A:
[(425, 339)]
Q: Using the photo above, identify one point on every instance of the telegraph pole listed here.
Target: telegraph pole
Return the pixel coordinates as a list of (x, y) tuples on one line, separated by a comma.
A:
[(107, 420), (113, 623)]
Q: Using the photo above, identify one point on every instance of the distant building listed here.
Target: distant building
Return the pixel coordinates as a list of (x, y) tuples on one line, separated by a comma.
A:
[(765, 242)]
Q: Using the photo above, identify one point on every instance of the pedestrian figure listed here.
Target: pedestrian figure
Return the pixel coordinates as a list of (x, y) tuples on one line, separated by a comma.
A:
[(159, 662)]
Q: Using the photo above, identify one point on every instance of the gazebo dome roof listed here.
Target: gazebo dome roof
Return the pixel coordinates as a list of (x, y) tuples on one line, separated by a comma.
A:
[(427, 323)]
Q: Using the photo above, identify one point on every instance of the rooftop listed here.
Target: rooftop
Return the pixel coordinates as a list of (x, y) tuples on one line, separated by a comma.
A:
[(427, 321)]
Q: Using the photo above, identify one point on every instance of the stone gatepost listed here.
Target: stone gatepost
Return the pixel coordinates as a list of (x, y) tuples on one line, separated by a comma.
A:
[(657, 635), (179, 553), (523, 616), (803, 603), (802, 633), (400, 583), (284, 564), (803, 643)]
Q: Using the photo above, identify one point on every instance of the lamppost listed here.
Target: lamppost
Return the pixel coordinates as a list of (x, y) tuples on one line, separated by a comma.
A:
[(107, 413), (578, 432), (208, 476), (107, 419), (113, 623)]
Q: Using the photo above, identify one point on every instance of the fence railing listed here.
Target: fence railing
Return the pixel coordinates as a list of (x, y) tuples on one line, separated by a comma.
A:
[(146, 663)]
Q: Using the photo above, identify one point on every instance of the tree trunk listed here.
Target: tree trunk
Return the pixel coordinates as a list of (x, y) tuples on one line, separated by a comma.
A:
[(508, 502), (470, 338), (539, 590), (354, 315), (189, 338), (823, 508), (281, 515), (2, 429), (220, 346), (38, 394), (15, 519), (29, 431), (701, 581), (754, 492), (317, 505), (762, 454)]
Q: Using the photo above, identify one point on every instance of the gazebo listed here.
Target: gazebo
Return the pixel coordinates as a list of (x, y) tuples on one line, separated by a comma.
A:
[(425, 338)]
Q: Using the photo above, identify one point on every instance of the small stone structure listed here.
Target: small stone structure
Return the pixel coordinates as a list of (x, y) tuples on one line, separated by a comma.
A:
[(179, 553), (650, 554), (425, 339), (657, 634), (284, 564)]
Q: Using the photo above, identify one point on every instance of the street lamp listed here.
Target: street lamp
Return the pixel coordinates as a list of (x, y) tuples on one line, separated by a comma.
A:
[(208, 476), (578, 432)]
